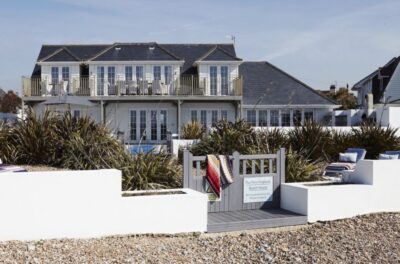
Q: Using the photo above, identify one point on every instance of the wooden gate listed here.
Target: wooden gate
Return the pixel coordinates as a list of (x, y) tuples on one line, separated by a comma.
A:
[(245, 167)]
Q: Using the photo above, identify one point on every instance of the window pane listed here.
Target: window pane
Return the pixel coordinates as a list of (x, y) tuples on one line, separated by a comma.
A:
[(263, 118), (308, 115), (203, 118), (168, 74), (100, 80), (251, 117), (143, 125), (285, 115), (133, 125), (214, 117), (163, 124), (139, 73), (153, 125), (274, 118), (157, 72), (213, 80), (194, 115), (65, 73), (224, 80), (297, 117), (128, 73), (54, 75), (224, 115), (111, 75)]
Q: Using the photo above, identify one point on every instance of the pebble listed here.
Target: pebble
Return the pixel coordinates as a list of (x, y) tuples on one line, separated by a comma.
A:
[(373, 238)]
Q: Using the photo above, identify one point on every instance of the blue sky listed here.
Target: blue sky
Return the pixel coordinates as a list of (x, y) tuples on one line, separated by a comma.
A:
[(319, 42)]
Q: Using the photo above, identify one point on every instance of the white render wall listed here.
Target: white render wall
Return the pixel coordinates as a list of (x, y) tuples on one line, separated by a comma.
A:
[(388, 116), (118, 115), (46, 70), (84, 204), (375, 189), (204, 72)]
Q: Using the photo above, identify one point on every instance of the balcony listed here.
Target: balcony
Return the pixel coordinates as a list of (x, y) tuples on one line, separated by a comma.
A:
[(90, 86)]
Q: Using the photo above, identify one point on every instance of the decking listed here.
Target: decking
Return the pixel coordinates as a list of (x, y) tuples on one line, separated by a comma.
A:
[(252, 219)]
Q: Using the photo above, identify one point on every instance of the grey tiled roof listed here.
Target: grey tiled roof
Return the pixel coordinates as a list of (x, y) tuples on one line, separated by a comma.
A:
[(265, 84), (192, 52), (140, 51), (136, 52), (83, 52), (218, 54)]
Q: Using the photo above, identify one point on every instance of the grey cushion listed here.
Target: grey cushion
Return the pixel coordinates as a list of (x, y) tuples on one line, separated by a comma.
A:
[(348, 157), (388, 156), (360, 152)]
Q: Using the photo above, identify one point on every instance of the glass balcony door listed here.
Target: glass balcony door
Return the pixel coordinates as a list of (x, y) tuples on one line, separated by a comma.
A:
[(100, 80), (213, 80)]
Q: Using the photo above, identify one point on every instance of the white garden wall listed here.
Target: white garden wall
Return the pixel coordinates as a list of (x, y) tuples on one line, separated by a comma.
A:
[(83, 204), (374, 189), (182, 143)]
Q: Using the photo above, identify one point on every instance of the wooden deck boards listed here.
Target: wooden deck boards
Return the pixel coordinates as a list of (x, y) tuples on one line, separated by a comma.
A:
[(252, 219)]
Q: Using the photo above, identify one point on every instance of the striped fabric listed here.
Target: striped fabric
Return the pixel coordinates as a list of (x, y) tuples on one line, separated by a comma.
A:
[(226, 167), (213, 175), (340, 166)]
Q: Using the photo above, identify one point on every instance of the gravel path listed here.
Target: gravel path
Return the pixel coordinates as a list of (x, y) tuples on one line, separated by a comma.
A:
[(367, 239)]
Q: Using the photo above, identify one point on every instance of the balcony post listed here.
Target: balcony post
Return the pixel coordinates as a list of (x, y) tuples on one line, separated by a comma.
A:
[(192, 86), (179, 119), (102, 111)]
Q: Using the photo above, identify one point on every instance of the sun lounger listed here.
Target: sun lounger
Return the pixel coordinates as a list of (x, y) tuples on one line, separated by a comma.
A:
[(390, 154), (336, 169)]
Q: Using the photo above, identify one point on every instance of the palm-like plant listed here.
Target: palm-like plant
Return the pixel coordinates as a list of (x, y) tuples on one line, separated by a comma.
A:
[(193, 130)]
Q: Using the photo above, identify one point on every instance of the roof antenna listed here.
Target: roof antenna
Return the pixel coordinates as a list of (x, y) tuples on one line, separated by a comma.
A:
[(233, 38)]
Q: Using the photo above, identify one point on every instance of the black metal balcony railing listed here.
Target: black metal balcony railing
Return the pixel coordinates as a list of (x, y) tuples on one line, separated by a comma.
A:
[(89, 86)]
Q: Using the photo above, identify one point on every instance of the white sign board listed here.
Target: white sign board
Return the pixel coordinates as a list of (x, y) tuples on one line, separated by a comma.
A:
[(258, 189)]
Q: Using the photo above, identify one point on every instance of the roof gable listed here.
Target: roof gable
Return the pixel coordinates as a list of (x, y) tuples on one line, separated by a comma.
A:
[(218, 54), (136, 52), (192, 52), (81, 52), (60, 55), (265, 84)]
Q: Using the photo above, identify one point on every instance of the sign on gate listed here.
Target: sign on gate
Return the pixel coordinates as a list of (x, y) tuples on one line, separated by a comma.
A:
[(258, 189), (256, 184)]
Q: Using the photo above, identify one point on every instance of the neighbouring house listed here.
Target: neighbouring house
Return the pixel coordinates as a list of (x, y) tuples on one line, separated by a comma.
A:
[(271, 97), (143, 90), (380, 87)]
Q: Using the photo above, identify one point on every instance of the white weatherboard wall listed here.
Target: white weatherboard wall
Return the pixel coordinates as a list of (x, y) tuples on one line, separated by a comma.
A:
[(374, 189), (84, 204)]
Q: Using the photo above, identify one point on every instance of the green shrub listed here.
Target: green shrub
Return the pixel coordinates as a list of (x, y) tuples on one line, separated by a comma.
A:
[(153, 171), (375, 139), (81, 144), (312, 140), (193, 130), (226, 138), (33, 141), (270, 140), (300, 169), (340, 142)]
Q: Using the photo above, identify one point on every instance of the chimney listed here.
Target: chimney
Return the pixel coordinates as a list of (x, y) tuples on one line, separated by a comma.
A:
[(332, 89), (370, 101)]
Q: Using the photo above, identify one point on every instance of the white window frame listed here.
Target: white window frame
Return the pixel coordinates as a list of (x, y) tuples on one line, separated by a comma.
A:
[(148, 125)]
